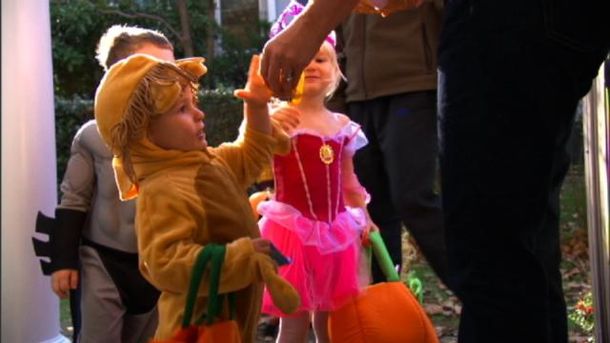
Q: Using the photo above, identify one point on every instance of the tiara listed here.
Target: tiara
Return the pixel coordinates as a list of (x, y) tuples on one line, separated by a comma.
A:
[(292, 11)]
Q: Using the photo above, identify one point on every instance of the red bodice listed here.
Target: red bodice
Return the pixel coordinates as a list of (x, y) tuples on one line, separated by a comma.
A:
[(304, 181)]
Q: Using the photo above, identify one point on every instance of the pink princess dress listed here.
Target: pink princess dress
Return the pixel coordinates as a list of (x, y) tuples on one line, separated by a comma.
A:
[(309, 223)]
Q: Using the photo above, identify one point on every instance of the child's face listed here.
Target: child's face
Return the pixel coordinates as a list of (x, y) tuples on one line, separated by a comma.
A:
[(321, 73), (180, 128)]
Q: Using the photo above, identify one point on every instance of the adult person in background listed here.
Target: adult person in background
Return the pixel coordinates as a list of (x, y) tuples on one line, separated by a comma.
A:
[(390, 67), (94, 241), (511, 75)]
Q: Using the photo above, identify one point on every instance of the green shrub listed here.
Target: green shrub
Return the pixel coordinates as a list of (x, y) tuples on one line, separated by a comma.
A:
[(223, 116)]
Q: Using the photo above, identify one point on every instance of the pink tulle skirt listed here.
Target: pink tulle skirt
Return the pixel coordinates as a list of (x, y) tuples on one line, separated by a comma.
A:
[(325, 257)]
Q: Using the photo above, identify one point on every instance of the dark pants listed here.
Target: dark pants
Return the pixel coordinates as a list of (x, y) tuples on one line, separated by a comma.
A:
[(398, 168), (511, 74)]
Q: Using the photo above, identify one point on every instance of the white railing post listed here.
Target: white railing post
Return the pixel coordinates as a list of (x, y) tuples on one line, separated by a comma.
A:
[(596, 125)]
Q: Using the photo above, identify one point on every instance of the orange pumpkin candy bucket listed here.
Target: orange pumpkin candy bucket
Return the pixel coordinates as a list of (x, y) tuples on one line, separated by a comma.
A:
[(386, 312)]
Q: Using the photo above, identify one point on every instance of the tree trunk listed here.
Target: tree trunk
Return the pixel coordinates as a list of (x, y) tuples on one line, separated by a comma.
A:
[(211, 34), (185, 26)]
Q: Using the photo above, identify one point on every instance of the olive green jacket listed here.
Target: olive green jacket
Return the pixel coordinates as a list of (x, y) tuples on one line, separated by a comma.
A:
[(392, 55)]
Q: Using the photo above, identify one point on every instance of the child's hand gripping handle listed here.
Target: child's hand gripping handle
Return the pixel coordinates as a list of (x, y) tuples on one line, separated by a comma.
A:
[(382, 255)]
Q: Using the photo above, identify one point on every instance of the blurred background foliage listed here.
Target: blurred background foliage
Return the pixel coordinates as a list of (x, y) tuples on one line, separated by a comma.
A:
[(76, 26)]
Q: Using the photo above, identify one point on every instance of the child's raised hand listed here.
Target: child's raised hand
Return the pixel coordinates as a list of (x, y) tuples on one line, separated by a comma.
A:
[(255, 93), (287, 117)]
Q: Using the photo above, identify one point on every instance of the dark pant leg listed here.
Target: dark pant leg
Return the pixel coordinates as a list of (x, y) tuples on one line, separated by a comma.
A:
[(398, 168), (508, 95), (410, 150), (372, 174)]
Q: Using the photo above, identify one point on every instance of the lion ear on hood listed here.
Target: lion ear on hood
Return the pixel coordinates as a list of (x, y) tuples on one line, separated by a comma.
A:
[(194, 66)]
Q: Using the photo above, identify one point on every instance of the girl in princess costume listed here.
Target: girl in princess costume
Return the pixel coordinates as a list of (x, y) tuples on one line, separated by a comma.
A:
[(318, 211)]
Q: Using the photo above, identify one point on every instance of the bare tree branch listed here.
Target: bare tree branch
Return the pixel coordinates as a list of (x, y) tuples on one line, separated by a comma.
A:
[(211, 30), (185, 24)]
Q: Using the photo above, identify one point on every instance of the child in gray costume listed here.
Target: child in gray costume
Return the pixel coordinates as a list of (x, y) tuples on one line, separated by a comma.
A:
[(94, 240)]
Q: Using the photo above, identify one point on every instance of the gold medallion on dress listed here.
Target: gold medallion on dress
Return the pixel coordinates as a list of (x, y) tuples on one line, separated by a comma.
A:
[(327, 155)]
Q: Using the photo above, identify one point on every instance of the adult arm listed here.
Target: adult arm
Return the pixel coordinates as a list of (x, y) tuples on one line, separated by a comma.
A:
[(290, 51)]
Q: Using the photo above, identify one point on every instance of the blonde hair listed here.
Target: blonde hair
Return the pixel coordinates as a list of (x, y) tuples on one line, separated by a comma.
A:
[(142, 108), (338, 75), (121, 41)]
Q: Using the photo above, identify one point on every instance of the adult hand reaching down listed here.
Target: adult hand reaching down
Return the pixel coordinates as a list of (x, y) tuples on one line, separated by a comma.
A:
[(285, 55)]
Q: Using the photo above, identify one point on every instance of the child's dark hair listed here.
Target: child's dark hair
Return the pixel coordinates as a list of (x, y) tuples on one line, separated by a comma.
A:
[(121, 41)]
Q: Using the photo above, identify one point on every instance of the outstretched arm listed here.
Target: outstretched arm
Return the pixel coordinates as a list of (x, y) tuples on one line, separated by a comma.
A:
[(258, 139)]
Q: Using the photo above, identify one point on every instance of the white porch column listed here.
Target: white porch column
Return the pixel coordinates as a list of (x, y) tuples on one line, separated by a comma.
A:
[(30, 311)]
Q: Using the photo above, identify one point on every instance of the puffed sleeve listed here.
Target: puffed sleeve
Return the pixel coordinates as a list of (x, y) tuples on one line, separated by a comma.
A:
[(356, 138)]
